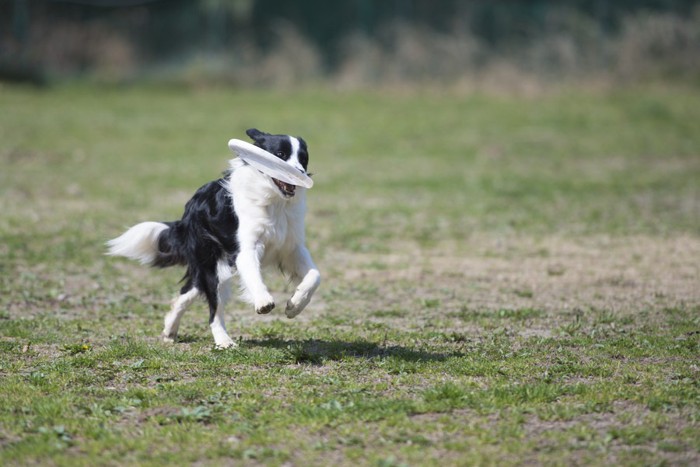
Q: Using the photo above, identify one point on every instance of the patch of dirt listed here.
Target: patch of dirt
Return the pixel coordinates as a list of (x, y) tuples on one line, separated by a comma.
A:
[(596, 430), (624, 414), (449, 285), (30, 352), (559, 276)]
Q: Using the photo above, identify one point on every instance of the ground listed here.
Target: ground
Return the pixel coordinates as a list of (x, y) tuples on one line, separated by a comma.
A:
[(506, 280)]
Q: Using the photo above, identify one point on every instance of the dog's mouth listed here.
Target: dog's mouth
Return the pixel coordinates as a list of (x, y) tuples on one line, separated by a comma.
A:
[(287, 189)]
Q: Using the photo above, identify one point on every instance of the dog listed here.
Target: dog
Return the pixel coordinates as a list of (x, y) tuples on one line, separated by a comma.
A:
[(236, 225)]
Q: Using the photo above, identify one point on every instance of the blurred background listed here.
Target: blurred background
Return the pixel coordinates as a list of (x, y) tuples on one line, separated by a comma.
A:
[(459, 44)]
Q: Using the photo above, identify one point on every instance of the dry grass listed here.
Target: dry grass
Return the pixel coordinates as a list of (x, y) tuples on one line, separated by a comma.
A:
[(559, 277)]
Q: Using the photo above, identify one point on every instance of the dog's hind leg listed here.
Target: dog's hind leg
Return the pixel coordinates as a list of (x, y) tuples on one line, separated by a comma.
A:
[(308, 278), (223, 295), (172, 320)]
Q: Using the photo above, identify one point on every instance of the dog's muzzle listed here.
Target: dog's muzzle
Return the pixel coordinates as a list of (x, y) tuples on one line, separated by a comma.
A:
[(287, 189)]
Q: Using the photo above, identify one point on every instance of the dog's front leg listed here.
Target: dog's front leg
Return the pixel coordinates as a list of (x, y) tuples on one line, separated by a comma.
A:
[(309, 278), (248, 265)]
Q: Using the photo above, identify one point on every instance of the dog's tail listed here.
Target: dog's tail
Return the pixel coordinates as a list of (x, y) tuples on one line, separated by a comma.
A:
[(153, 243)]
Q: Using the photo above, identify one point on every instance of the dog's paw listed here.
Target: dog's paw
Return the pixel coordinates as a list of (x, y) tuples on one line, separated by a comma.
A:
[(264, 305), (303, 293), (169, 338), (296, 304), (226, 343), (265, 309)]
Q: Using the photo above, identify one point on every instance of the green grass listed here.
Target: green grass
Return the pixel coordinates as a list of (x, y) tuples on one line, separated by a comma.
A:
[(507, 280)]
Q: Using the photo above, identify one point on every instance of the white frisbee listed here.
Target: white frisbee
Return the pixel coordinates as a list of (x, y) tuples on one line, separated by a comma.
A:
[(269, 164)]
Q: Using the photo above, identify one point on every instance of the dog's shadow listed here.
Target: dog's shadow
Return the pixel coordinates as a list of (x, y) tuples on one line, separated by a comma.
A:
[(318, 351)]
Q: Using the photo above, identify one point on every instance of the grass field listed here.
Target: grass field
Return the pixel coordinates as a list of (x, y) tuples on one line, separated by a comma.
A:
[(506, 280)]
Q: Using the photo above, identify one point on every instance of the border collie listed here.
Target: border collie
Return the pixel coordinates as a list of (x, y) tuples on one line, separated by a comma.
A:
[(238, 224)]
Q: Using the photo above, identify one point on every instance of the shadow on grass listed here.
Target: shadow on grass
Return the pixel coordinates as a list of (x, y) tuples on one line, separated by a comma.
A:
[(315, 351), (193, 338)]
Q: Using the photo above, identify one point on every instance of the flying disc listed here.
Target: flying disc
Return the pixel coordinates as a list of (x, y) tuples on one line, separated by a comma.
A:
[(269, 164)]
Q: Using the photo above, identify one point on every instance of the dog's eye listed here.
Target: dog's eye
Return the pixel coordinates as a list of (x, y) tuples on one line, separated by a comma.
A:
[(279, 154)]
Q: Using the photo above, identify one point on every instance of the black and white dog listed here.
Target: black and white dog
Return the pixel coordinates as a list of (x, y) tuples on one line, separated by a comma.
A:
[(238, 224)]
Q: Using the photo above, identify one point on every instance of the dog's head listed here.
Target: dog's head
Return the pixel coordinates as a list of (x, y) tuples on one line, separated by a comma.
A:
[(290, 149)]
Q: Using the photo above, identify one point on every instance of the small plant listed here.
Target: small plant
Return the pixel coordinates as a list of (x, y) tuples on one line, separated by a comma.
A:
[(74, 349), (199, 414), (59, 434)]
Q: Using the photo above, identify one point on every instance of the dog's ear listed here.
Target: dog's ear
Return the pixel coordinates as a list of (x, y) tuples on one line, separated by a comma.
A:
[(256, 135)]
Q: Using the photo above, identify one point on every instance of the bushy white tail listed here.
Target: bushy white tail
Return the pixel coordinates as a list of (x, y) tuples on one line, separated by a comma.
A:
[(140, 242)]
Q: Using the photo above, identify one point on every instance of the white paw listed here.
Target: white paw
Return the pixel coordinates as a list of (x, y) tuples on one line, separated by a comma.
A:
[(226, 343), (264, 305), (296, 304), (169, 338)]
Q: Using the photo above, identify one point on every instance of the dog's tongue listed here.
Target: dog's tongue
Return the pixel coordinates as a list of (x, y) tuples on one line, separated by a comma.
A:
[(287, 188)]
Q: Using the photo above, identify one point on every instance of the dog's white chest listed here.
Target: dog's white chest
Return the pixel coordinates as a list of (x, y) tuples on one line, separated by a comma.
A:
[(279, 226), (267, 222)]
